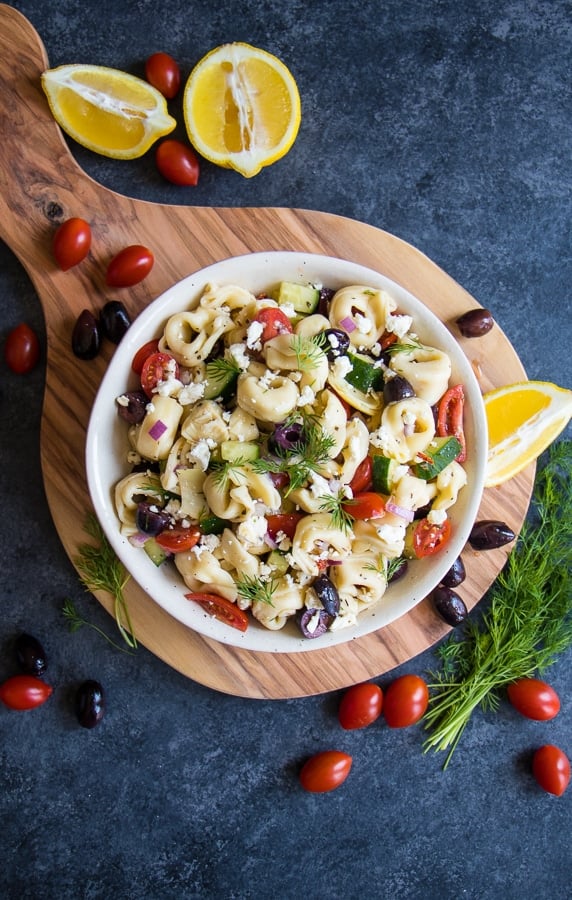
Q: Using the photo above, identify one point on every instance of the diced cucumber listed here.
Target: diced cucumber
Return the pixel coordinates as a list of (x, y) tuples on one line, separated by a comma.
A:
[(440, 452), (278, 562), (364, 375), (220, 383), (154, 551), (303, 297), (233, 451), (383, 474), (211, 524)]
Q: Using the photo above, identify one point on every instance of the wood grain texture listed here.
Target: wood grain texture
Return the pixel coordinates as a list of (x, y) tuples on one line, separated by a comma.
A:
[(41, 185)]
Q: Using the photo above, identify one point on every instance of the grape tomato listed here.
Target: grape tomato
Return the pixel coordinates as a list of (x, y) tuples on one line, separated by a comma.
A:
[(156, 368), (325, 771), (551, 768), (24, 692), (71, 243), (534, 699), (405, 701), (163, 72), (177, 163), (360, 706), (22, 349), (130, 266)]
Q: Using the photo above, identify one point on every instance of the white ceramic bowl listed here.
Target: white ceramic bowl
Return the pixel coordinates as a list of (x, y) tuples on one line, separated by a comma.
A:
[(107, 443)]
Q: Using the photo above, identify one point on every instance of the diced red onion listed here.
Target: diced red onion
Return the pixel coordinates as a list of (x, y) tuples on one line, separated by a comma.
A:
[(401, 511), (269, 541), (334, 562), (138, 539), (157, 430), (348, 324)]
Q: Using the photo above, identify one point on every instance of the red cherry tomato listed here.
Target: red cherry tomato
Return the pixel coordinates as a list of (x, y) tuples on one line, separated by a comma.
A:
[(285, 522), (274, 322), (162, 71), (72, 242), (325, 771), (365, 505), (24, 692), (130, 266), (155, 369), (177, 163), (22, 349), (178, 539), (363, 476), (360, 706), (450, 417), (534, 699), (405, 701), (430, 538), (222, 609), (146, 350), (551, 768)]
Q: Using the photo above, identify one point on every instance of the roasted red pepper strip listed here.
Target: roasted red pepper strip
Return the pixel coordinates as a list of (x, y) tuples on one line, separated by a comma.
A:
[(450, 418)]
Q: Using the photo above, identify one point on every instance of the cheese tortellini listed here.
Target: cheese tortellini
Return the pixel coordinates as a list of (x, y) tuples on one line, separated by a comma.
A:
[(259, 451)]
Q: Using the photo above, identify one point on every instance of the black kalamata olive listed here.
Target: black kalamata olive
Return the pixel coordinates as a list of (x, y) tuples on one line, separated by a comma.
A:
[(397, 388), (490, 534), (286, 437), (456, 574), (313, 622), (114, 320), (86, 336), (30, 655), (89, 704), (327, 594), (150, 519), (449, 605), (134, 410), (475, 323), (399, 571), (336, 343), (326, 295)]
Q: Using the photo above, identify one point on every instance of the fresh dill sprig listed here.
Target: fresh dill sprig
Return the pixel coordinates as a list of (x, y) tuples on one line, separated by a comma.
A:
[(309, 351), (528, 623), (100, 570), (335, 504), (386, 569), (304, 458), (224, 470), (217, 369), (75, 622), (256, 589), (407, 347)]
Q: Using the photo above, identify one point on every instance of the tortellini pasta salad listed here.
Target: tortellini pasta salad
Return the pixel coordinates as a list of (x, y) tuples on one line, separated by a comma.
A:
[(290, 453)]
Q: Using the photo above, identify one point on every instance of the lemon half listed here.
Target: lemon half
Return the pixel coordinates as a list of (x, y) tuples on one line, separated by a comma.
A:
[(242, 108), (107, 110), (523, 420)]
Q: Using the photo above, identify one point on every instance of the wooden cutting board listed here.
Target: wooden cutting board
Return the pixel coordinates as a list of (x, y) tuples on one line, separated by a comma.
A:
[(41, 186)]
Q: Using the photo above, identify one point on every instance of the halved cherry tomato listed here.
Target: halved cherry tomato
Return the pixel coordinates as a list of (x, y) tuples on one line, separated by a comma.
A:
[(285, 522), (155, 369), (275, 322), (163, 72), (22, 349), (71, 243), (365, 505), (325, 771), (551, 768), (534, 699), (450, 417), (405, 701), (177, 163), (130, 266), (363, 476), (145, 351), (430, 538), (222, 609), (178, 539), (360, 706), (24, 692)]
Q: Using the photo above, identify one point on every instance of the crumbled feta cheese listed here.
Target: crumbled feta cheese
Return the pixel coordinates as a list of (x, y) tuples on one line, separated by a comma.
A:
[(253, 335), (333, 340), (253, 530), (288, 310), (307, 396), (283, 542), (169, 387), (398, 325), (240, 356), (375, 350), (363, 323), (319, 486), (390, 533), (381, 438), (122, 400), (202, 453), (342, 365), (210, 541), (191, 393), (437, 516)]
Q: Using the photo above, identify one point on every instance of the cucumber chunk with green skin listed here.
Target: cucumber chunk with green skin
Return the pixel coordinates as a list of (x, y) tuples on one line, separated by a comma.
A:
[(278, 562), (439, 453), (236, 451), (211, 524), (302, 297), (383, 474), (154, 551), (220, 383), (364, 375)]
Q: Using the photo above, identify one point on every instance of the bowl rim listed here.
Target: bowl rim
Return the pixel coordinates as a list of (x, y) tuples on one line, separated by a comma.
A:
[(165, 586)]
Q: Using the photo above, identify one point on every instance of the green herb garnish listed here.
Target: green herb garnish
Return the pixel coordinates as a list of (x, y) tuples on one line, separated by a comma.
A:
[(223, 470), (335, 504), (304, 458), (529, 619), (75, 622), (308, 350), (256, 589), (408, 347), (100, 570)]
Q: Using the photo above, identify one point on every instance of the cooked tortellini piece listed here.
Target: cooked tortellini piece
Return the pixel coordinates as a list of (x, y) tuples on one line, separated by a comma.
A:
[(262, 435)]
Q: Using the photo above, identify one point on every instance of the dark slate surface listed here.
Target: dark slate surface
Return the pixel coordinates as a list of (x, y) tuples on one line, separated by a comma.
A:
[(449, 125)]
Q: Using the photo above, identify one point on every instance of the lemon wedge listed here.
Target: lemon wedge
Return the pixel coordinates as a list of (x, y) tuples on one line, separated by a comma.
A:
[(242, 108), (106, 110), (523, 419)]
